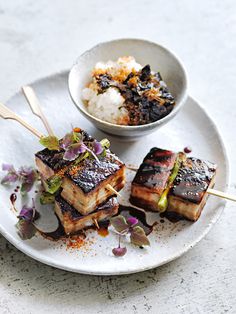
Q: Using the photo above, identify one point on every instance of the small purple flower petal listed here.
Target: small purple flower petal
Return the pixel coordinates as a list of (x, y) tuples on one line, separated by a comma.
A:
[(9, 178), (8, 167), (97, 147), (27, 213), (119, 251), (132, 221), (73, 151), (28, 176)]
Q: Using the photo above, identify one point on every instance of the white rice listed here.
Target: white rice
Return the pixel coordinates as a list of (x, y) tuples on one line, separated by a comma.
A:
[(108, 105)]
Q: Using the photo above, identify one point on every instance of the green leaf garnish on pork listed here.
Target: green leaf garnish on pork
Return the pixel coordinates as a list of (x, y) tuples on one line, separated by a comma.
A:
[(50, 142)]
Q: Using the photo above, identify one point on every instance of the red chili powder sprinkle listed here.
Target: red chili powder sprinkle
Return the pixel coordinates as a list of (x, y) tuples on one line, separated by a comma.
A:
[(75, 242)]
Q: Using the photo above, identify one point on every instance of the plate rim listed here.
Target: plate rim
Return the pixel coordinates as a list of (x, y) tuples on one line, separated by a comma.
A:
[(50, 262)]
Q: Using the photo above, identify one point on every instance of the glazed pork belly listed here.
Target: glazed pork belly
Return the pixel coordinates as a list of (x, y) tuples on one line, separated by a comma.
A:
[(50, 162), (151, 178), (188, 195), (73, 221), (85, 185)]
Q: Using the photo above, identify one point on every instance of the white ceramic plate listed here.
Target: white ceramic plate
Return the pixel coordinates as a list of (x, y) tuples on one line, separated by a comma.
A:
[(191, 127)]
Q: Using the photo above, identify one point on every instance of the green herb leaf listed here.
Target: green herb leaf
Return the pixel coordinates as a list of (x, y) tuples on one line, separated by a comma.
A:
[(50, 142), (47, 198), (105, 143), (138, 236), (119, 223), (163, 201), (81, 157), (53, 184)]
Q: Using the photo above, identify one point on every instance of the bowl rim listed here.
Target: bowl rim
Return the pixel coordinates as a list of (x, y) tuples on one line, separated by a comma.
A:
[(132, 127)]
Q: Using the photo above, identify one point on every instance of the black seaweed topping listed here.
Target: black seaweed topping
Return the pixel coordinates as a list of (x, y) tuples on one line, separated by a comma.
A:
[(145, 73), (142, 108)]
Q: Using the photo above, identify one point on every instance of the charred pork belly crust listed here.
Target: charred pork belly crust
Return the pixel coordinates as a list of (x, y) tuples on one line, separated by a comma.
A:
[(188, 194), (73, 221), (151, 178), (84, 185), (50, 162)]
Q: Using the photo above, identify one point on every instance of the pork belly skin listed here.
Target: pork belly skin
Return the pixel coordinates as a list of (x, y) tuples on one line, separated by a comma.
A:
[(151, 178), (84, 185), (188, 194)]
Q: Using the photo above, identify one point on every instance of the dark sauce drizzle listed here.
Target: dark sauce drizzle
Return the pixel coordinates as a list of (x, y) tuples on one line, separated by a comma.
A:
[(13, 198), (171, 216), (128, 211)]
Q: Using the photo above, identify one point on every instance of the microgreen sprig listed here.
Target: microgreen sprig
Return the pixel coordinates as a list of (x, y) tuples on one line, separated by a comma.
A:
[(129, 226), (27, 176)]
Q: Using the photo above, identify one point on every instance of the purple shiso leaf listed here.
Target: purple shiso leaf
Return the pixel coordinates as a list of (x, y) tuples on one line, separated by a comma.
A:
[(132, 221), (26, 230), (9, 178), (119, 251), (8, 167), (73, 151), (25, 224), (119, 223), (67, 141), (27, 213), (138, 237), (97, 148), (28, 177)]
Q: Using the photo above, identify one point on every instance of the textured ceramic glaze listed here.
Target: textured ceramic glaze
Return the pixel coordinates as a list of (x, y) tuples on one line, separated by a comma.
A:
[(145, 52), (168, 242)]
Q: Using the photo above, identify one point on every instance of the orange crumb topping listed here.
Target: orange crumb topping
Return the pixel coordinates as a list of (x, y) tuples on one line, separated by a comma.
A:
[(74, 169), (75, 242)]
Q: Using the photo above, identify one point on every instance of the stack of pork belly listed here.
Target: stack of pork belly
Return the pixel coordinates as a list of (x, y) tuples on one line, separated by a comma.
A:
[(187, 194), (84, 198)]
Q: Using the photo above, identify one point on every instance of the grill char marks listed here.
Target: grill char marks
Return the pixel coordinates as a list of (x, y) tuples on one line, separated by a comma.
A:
[(53, 159), (193, 180), (85, 185), (89, 173), (151, 178), (155, 169)]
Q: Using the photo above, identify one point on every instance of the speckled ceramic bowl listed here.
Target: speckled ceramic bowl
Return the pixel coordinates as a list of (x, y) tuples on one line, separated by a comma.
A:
[(145, 52)]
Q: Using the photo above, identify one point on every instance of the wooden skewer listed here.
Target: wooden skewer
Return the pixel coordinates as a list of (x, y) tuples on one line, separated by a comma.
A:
[(96, 223), (35, 107), (222, 194), (209, 191), (109, 187), (6, 113)]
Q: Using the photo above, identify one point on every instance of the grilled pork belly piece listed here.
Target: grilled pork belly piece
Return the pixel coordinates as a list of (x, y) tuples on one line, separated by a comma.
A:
[(151, 178), (188, 195), (73, 221), (49, 162), (84, 185)]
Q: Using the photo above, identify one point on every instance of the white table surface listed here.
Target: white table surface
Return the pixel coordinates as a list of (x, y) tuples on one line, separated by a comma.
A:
[(40, 37)]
